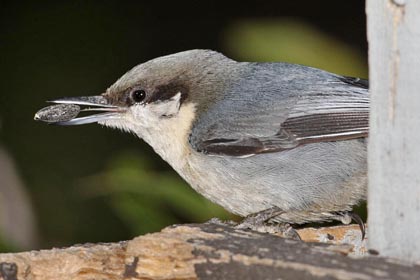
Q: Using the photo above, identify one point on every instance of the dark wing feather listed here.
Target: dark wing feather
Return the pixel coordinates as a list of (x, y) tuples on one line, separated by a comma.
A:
[(355, 81), (328, 127), (295, 132), (284, 121)]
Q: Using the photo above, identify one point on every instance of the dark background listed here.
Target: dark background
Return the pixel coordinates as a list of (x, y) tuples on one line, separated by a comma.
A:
[(88, 183)]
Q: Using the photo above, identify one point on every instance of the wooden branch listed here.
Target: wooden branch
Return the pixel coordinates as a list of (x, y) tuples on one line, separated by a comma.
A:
[(204, 251)]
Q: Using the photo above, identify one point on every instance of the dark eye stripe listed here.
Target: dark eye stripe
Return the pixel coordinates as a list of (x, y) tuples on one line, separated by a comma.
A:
[(168, 91)]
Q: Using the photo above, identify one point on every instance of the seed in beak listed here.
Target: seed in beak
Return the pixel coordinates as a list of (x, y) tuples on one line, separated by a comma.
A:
[(57, 113)]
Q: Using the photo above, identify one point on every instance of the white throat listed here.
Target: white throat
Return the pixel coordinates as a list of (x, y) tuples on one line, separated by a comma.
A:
[(164, 125), (169, 136)]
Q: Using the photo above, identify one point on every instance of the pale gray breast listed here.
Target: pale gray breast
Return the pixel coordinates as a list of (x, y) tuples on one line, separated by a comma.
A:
[(315, 177)]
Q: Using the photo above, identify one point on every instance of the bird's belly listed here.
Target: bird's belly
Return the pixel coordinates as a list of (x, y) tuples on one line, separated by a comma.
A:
[(306, 181)]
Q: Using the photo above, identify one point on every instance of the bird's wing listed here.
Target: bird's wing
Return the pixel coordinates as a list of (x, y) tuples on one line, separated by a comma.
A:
[(273, 120)]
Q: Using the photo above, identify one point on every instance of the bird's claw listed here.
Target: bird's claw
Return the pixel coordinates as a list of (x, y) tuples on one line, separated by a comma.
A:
[(347, 217), (258, 222)]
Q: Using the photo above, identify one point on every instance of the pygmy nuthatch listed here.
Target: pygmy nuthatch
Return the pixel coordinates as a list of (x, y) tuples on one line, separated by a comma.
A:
[(268, 141)]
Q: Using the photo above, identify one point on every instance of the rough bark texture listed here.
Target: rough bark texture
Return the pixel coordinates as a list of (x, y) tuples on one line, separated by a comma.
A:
[(205, 251), (394, 150)]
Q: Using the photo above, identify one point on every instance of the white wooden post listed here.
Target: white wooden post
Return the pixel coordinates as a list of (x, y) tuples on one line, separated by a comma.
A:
[(394, 142)]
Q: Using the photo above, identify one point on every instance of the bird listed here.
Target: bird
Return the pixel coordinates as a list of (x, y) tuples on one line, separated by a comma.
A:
[(270, 142)]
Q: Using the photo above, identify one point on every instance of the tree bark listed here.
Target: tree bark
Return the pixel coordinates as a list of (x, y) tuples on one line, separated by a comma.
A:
[(394, 150), (205, 251)]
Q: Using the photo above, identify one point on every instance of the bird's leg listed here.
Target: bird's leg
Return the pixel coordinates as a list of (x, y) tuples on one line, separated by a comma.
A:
[(259, 218), (348, 216), (218, 221), (258, 222)]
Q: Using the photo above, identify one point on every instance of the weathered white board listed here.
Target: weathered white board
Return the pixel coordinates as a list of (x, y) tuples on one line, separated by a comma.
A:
[(394, 142)]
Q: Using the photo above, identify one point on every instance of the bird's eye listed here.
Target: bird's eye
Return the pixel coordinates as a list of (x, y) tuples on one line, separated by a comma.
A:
[(138, 95)]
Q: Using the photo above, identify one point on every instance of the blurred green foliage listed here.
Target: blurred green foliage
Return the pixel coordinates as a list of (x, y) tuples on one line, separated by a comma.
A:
[(8, 246), (90, 184), (293, 41)]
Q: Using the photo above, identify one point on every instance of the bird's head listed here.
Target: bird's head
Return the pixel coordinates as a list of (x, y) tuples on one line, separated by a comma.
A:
[(153, 93)]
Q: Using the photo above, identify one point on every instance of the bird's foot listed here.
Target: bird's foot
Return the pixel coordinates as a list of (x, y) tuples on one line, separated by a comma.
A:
[(258, 222), (283, 229), (347, 217), (259, 218), (220, 222)]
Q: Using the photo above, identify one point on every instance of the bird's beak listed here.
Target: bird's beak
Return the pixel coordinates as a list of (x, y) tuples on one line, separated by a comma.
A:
[(68, 108)]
